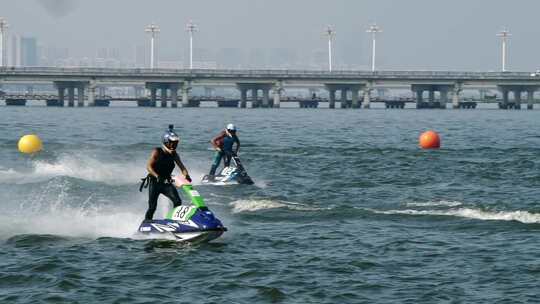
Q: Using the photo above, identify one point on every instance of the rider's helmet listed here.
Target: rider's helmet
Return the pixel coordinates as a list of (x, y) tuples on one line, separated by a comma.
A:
[(231, 128), (170, 138)]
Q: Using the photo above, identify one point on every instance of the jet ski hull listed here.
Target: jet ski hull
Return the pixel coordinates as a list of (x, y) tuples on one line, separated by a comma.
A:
[(186, 223), (182, 232)]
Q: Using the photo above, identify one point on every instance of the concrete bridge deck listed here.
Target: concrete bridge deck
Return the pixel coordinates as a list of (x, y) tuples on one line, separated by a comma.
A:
[(237, 75), (447, 84)]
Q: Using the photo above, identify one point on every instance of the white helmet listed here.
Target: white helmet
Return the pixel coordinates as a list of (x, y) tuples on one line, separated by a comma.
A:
[(231, 127)]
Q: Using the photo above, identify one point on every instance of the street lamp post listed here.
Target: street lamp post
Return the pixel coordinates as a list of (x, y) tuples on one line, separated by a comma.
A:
[(504, 34), (191, 28), (374, 30), (3, 28), (330, 33), (153, 30)]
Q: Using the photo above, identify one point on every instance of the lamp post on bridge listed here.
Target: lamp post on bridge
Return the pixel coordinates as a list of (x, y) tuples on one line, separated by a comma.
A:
[(374, 30), (3, 28), (504, 34), (153, 30), (330, 33), (191, 28)]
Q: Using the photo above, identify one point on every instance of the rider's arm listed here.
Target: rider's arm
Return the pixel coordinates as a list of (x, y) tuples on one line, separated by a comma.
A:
[(237, 144), (183, 169), (214, 140), (151, 162)]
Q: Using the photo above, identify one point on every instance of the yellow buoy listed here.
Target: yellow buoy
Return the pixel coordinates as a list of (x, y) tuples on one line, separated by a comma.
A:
[(30, 144)]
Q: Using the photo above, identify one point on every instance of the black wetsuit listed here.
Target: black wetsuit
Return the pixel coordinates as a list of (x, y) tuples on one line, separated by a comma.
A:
[(164, 167)]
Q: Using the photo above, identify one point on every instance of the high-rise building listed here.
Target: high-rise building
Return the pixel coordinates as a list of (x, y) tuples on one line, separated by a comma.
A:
[(29, 52), (14, 54)]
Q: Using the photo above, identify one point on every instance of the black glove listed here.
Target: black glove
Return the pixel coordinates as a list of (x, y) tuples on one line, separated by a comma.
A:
[(188, 178)]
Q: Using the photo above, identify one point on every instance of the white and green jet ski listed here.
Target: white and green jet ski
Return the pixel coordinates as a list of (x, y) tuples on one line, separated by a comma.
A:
[(192, 224)]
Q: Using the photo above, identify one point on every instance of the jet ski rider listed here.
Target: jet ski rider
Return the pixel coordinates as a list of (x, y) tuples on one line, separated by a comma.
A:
[(223, 144), (160, 167)]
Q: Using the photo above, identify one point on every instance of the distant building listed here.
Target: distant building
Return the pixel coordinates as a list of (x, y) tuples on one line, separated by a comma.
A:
[(23, 51), (14, 51), (29, 52), (230, 58), (142, 59), (162, 64)]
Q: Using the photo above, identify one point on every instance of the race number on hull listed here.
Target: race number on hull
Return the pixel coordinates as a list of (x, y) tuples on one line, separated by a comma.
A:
[(183, 213)]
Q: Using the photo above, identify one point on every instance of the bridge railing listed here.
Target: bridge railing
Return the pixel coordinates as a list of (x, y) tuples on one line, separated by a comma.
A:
[(276, 73)]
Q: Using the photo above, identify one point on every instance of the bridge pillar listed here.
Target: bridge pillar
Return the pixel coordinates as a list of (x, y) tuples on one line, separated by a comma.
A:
[(332, 99), (354, 99), (80, 97), (153, 96), (174, 96), (266, 98), (505, 101), (278, 87), (456, 96), (344, 103), (61, 95), (243, 97), (71, 96), (444, 97), (277, 99), (91, 95), (517, 91), (367, 98), (185, 97), (530, 99), (419, 97), (517, 99), (163, 97), (254, 96)]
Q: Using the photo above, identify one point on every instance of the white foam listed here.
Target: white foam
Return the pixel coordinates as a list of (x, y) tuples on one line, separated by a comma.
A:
[(82, 167), (262, 204), (92, 170), (436, 204), (519, 216), (75, 222), (255, 205)]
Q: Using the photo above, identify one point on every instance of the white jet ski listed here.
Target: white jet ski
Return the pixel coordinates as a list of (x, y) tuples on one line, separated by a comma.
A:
[(232, 175)]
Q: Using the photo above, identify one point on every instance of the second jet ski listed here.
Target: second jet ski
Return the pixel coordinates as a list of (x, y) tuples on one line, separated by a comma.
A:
[(233, 174)]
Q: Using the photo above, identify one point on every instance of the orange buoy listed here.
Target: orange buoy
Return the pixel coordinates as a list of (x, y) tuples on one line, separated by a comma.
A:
[(430, 140)]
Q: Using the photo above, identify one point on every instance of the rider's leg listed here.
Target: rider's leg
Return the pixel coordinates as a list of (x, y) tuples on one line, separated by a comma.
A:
[(215, 164), (170, 191)]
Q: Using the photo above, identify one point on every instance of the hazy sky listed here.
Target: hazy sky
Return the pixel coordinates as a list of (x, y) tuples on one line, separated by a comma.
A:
[(418, 34)]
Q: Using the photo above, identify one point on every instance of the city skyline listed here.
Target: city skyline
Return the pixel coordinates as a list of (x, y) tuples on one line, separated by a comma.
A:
[(417, 35)]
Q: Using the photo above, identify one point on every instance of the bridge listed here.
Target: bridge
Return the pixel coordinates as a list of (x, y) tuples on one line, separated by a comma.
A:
[(441, 86)]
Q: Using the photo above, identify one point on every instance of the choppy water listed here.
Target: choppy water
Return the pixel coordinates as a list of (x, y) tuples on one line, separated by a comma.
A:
[(346, 208)]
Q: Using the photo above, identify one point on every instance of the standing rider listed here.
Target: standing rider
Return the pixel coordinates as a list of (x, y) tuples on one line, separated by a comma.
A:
[(160, 167), (223, 144)]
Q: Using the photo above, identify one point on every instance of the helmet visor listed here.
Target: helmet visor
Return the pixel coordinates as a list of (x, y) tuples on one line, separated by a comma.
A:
[(172, 144)]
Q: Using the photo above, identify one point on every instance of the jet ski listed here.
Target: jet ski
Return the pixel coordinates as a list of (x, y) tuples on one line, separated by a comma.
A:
[(193, 224), (233, 174)]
